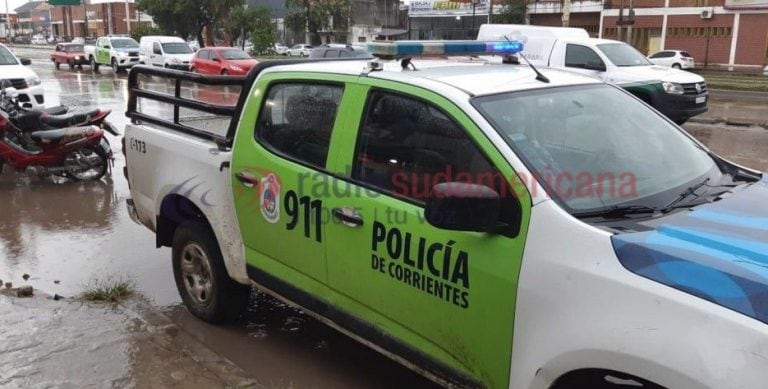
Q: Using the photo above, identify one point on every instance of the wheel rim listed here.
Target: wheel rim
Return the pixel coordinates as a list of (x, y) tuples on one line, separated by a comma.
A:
[(85, 164), (196, 274)]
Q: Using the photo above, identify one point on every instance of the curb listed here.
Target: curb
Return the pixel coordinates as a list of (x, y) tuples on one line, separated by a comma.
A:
[(736, 122)]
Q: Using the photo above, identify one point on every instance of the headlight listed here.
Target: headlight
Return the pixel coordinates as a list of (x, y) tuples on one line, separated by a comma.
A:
[(673, 88), (34, 81), (77, 58), (237, 68), (121, 54)]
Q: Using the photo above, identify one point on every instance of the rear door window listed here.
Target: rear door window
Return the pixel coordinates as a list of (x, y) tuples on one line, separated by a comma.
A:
[(297, 119), (578, 56)]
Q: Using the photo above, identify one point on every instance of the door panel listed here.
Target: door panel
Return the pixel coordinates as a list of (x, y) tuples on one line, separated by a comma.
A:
[(274, 168), (449, 294)]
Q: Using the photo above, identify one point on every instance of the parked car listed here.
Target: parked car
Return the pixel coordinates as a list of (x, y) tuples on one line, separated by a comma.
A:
[(300, 50), (280, 49), (677, 59), (194, 45), (77, 40), (222, 61), (338, 52), (119, 52), (24, 79), (39, 40), (165, 51), (21, 39), (72, 54)]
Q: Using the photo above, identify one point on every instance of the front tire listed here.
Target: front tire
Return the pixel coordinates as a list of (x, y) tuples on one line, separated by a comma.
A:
[(115, 66), (94, 64), (676, 66), (201, 277), (58, 65), (225, 72)]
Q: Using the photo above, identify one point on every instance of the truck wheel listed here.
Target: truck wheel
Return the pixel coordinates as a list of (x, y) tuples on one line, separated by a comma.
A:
[(94, 64), (201, 278), (115, 66), (58, 65)]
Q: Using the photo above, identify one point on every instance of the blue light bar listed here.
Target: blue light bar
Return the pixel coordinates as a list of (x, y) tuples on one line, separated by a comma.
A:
[(426, 48)]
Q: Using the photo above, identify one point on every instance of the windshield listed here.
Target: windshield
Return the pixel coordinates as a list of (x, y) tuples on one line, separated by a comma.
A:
[(596, 146), (622, 54), (74, 48), (234, 54), (124, 43), (176, 48), (6, 58)]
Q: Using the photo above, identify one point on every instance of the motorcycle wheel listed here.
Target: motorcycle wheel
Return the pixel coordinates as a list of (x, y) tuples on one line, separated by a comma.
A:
[(86, 164)]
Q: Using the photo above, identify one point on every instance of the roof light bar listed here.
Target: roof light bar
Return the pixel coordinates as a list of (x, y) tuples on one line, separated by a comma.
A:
[(397, 49)]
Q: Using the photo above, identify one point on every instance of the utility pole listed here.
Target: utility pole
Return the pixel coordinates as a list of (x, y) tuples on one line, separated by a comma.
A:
[(7, 20), (85, 19), (566, 13), (631, 20), (127, 16), (490, 11)]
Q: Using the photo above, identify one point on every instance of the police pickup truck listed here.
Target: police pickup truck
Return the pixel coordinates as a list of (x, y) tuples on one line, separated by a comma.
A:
[(486, 225)]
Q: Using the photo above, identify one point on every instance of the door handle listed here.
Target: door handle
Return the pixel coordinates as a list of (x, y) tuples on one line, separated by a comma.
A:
[(348, 216), (247, 179)]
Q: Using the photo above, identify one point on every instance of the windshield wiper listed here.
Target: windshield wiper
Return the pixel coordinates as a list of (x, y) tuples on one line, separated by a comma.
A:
[(684, 195), (616, 212)]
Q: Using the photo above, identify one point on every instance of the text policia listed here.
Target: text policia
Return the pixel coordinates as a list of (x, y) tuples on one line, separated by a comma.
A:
[(435, 268)]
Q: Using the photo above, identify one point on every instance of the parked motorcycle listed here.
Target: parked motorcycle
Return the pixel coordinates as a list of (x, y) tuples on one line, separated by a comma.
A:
[(68, 146)]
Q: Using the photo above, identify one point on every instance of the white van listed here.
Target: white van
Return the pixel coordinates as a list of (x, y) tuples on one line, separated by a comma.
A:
[(165, 51), (677, 94)]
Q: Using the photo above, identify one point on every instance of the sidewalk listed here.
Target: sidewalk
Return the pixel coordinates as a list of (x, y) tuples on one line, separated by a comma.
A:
[(735, 108)]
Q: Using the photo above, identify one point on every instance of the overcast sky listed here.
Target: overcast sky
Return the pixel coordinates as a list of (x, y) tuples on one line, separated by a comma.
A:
[(12, 4)]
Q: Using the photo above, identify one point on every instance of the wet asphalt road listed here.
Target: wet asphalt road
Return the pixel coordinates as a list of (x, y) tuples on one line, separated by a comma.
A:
[(66, 234)]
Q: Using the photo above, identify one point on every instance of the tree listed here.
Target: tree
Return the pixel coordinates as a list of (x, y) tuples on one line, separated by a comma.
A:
[(250, 22), (313, 16), (190, 17), (144, 29), (512, 12)]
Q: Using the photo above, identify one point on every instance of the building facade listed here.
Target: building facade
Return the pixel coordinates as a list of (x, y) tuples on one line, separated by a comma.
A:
[(101, 18), (729, 34)]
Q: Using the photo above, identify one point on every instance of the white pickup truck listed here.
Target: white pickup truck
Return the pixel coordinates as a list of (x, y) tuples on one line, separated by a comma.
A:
[(680, 95), (482, 225)]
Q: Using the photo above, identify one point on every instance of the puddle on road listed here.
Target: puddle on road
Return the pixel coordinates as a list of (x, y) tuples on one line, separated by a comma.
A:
[(282, 347)]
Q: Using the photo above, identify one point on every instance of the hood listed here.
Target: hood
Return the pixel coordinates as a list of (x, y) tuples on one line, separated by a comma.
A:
[(16, 71), (620, 75), (718, 252)]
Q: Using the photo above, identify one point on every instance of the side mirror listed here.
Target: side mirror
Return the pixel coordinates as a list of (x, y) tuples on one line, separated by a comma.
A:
[(459, 206), (25, 61), (108, 47), (595, 65)]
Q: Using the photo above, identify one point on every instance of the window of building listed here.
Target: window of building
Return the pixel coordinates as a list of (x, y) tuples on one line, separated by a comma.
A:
[(297, 120)]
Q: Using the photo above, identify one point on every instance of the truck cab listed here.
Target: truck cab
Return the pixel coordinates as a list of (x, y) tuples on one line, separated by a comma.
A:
[(677, 94)]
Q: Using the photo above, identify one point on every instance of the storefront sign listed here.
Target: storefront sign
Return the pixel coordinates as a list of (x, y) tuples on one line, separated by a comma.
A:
[(449, 8)]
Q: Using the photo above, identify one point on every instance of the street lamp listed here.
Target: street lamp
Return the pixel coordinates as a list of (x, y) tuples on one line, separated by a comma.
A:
[(474, 4)]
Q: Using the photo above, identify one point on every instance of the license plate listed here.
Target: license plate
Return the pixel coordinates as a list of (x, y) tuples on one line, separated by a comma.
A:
[(701, 100)]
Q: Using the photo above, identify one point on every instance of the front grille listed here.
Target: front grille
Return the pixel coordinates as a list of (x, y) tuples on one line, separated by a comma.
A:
[(40, 99), (133, 53), (690, 89), (19, 83)]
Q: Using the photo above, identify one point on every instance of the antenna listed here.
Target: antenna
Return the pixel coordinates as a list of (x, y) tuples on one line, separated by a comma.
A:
[(539, 76)]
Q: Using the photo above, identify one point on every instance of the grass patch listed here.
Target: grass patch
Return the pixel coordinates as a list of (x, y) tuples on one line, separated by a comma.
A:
[(108, 290), (735, 81)]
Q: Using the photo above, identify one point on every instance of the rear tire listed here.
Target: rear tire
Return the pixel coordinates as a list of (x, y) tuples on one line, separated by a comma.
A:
[(201, 277), (71, 64), (94, 64), (96, 172), (676, 66)]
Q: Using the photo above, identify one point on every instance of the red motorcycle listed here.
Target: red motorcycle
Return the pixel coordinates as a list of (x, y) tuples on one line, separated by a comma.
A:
[(69, 146)]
